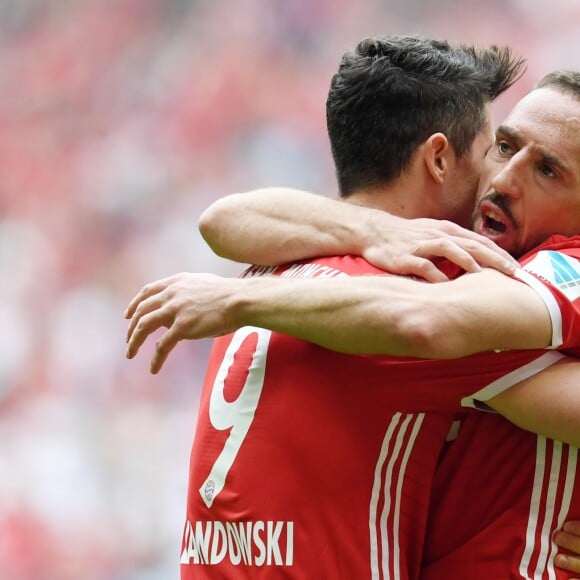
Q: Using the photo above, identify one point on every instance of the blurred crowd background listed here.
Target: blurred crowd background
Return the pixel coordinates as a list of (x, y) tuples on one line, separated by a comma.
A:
[(120, 121)]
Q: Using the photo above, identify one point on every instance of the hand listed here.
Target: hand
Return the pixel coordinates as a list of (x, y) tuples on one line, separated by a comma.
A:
[(190, 306), (569, 538), (407, 246)]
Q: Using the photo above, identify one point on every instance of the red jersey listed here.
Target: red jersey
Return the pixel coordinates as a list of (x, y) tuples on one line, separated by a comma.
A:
[(308, 463), (500, 493)]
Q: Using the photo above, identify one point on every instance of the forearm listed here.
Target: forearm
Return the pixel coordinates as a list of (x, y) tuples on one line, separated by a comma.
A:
[(398, 316), (345, 315), (358, 315), (278, 225)]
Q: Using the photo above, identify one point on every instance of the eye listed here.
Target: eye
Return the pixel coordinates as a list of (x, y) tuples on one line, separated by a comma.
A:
[(504, 148), (547, 170)]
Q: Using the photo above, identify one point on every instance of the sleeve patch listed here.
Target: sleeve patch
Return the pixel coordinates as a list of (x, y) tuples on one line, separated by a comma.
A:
[(559, 270)]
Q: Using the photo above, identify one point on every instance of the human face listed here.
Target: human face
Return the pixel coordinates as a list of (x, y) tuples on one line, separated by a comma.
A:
[(462, 189), (530, 184)]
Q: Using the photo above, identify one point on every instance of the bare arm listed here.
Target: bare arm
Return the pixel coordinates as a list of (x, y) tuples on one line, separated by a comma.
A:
[(375, 315), (358, 315), (278, 225), (547, 403), (399, 316)]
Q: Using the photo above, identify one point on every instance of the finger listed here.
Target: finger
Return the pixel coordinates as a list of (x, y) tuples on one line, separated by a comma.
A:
[(494, 248), (470, 255), (568, 541), (572, 527), (417, 266), (146, 292), (162, 349), (566, 562), (146, 326), (458, 232), (149, 305), (492, 259), (449, 250)]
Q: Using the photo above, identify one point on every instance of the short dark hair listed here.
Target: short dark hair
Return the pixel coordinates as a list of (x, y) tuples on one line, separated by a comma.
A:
[(565, 81), (391, 92)]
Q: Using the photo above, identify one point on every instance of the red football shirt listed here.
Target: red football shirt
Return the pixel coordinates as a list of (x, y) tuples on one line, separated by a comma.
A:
[(312, 464), (500, 493)]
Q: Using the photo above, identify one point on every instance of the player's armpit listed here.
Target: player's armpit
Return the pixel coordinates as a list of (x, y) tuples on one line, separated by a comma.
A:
[(547, 403)]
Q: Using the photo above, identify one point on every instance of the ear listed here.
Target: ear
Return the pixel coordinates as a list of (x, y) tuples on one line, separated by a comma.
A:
[(438, 156)]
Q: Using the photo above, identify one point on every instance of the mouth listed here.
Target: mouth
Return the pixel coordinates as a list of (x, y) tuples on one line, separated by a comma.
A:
[(495, 224), (494, 221)]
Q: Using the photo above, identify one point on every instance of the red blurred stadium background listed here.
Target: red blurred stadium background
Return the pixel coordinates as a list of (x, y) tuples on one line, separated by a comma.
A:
[(120, 121)]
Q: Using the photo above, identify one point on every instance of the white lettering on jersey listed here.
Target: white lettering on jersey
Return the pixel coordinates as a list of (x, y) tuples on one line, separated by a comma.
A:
[(259, 271), (311, 271), (256, 543)]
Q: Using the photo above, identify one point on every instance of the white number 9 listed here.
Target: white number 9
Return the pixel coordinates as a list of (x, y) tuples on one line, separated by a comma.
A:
[(235, 415)]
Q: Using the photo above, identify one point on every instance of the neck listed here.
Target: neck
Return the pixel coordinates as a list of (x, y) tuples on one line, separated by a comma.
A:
[(405, 198)]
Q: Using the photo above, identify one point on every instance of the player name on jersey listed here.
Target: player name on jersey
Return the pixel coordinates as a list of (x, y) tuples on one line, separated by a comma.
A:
[(257, 543), (295, 271)]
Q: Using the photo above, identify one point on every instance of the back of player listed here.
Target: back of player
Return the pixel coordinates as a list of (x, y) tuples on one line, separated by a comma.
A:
[(300, 468), (313, 464)]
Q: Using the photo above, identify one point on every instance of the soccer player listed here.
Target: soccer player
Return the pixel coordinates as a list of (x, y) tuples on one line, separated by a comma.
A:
[(291, 475), (535, 155)]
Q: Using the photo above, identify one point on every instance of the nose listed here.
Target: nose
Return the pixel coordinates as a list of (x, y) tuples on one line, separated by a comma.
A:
[(510, 177)]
